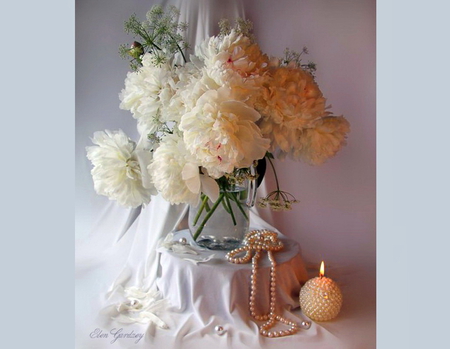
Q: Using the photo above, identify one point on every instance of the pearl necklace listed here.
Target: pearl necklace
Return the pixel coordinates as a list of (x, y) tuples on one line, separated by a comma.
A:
[(257, 241)]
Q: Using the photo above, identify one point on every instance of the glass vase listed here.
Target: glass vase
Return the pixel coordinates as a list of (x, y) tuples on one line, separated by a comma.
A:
[(222, 225)]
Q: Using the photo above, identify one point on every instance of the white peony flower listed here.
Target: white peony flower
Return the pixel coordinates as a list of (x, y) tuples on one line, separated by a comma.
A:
[(188, 88), (146, 92), (176, 175), (116, 171), (221, 133), (236, 62), (323, 140)]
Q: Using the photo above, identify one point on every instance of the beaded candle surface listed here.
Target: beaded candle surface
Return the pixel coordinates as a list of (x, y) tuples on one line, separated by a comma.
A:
[(320, 297)]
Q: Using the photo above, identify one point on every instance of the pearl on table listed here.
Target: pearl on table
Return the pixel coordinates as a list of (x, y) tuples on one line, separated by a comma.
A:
[(320, 298), (306, 324), (182, 241), (219, 330), (133, 305)]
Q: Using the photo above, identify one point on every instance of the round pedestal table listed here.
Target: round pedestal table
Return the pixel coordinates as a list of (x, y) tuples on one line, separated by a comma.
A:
[(220, 288)]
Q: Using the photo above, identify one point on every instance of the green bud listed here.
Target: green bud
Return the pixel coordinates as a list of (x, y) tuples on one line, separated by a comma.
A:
[(136, 50)]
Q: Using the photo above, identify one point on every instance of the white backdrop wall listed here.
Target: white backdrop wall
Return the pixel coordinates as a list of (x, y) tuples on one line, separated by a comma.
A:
[(335, 219)]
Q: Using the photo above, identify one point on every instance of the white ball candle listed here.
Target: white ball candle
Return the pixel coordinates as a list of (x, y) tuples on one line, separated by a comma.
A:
[(320, 297)]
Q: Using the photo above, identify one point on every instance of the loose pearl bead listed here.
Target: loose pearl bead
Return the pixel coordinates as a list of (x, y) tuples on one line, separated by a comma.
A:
[(220, 330)]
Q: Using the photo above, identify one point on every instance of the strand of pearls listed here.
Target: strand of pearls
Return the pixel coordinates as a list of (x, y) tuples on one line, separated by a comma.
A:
[(257, 241)]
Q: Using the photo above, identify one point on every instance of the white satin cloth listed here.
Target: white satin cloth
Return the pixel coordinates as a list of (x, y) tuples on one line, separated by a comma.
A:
[(220, 288), (203, 296), (203, 16), (122, 253)]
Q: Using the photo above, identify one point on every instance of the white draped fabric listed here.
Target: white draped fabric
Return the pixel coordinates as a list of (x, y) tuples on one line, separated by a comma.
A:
[(218, 287), (203, 16)]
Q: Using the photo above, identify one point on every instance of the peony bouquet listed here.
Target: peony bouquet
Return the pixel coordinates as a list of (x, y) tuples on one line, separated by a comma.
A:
[(206, 120)]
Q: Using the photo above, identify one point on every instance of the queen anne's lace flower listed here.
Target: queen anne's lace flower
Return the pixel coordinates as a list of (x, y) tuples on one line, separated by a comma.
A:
[(116, 171), (290, 102), (221, 133), (278, 200)]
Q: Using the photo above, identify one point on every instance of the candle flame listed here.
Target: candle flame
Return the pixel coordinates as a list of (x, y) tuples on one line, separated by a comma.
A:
[(322, 269)]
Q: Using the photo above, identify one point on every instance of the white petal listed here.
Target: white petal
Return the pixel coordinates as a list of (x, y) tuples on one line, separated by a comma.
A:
[(200, 260), (190, 175), (210, 187)]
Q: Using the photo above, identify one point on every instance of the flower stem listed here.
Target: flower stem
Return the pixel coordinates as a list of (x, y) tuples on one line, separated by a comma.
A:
[(274, 172), (231, 209), (200, 210), (239, 205), (226, 206), (179, 48), (209, 214)]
